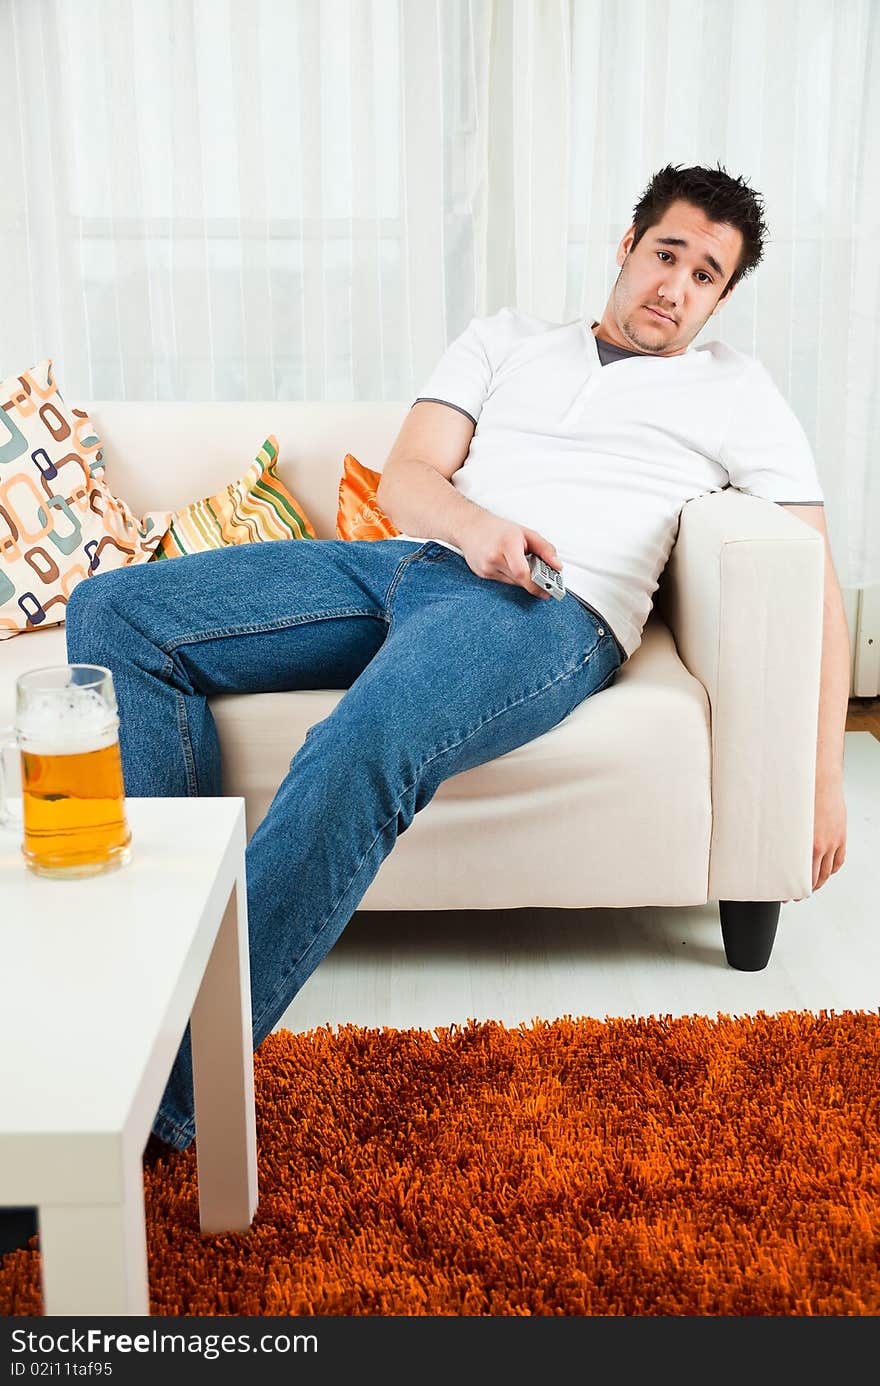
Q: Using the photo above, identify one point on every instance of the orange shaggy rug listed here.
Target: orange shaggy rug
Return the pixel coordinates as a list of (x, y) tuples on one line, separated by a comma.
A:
[(574, 1167)]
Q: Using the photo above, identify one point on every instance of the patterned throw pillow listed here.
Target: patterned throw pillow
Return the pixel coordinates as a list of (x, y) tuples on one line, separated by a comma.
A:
[(359, 515), (59, 520), (257, 506)]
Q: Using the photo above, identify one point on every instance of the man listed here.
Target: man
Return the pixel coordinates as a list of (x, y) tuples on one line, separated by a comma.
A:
[(578, 445)]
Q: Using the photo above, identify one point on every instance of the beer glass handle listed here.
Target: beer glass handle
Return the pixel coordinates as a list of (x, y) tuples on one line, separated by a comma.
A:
[(8, 818)]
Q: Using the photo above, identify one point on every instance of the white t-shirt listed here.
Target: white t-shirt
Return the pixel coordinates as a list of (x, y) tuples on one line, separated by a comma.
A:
[(602, 459)]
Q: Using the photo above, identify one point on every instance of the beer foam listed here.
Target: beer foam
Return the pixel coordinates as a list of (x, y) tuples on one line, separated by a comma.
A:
[(70, 721)]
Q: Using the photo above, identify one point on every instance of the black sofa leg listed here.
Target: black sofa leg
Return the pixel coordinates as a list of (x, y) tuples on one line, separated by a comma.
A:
[(748, 928), (17, 1226)]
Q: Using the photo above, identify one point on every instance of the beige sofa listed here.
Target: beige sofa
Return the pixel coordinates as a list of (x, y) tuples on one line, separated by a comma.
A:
[(690, 779)]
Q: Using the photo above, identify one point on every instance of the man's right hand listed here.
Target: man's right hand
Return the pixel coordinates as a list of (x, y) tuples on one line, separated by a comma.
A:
[(495, 548)]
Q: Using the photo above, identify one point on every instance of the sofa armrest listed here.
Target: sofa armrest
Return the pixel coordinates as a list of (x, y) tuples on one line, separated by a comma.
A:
[(743, 597)]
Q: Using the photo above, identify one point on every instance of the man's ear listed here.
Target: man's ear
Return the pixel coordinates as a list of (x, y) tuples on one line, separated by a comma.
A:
[(625, 245), (725, 298)]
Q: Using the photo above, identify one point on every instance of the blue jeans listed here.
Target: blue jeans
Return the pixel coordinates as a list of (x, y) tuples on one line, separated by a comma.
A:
[(444, 670)]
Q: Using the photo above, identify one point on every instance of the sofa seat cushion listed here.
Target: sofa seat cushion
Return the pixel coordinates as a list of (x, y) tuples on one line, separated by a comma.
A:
[(617, 794), (30, 649)]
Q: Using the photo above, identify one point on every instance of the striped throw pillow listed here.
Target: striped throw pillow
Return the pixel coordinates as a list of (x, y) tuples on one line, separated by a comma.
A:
[(256, 507)]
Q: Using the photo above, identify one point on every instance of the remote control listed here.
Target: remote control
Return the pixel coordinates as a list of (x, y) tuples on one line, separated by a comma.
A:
[(545, 576)]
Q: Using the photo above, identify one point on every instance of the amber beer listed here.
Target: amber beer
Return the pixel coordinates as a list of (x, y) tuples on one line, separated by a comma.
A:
[(73, 805), (73, 795)]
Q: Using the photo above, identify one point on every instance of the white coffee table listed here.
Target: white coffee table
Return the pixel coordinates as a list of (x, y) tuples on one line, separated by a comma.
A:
[(98, 978)]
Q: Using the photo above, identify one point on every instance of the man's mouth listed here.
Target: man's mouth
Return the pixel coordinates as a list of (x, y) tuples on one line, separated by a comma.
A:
[(664, 317)]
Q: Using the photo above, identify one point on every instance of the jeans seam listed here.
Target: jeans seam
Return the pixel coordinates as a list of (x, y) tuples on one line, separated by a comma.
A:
[(428, 761), (189, 765), (192, 782), (261, 627), (186, 1129), (395, 582)]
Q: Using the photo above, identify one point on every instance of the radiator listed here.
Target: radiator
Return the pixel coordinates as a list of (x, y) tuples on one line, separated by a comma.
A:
[(863, 614)]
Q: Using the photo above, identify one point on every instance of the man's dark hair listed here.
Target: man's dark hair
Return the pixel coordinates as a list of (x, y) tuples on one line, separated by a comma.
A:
[(720, 197)]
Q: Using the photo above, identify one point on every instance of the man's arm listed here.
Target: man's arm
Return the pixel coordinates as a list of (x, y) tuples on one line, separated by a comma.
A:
[(415, 489), (829, 846), (836, 657)]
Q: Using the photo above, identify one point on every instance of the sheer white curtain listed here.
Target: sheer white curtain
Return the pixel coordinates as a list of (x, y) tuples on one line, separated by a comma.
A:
[(223, 199)]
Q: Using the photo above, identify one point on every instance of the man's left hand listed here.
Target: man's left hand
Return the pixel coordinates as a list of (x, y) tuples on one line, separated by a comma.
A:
[(829, 830)]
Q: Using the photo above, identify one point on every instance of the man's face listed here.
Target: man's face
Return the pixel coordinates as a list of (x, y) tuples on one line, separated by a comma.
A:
[(679, 281)]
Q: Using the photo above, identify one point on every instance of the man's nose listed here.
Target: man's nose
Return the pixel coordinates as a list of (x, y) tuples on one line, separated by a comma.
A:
[(672, 290)]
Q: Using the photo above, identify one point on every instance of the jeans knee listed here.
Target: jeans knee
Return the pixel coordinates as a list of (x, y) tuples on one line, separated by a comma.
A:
[(89, 611), (79, 603)]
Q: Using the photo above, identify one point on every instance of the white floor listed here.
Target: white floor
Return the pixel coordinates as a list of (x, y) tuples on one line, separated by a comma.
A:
[(443, 967)]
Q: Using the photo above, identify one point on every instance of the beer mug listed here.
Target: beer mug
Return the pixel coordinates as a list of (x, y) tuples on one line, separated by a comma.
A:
[(73, 796)]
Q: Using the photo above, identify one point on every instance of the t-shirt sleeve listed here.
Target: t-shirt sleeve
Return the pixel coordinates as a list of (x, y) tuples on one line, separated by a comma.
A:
[(463, 375), (766, 451)]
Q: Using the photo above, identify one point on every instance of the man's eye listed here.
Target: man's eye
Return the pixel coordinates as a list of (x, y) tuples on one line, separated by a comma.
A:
[(707, 277)]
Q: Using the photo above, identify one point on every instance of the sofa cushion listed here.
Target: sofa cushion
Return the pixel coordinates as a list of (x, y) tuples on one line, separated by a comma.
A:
[(59, 520), (360, 516), (622, 784), (157, 453), (257, 506), (40, 647)]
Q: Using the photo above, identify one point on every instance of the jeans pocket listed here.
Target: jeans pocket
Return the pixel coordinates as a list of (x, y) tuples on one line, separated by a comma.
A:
[(583, 697), (606, 683)]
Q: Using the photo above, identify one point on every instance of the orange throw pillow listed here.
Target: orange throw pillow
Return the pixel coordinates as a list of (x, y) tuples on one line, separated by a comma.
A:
[(360, 516)]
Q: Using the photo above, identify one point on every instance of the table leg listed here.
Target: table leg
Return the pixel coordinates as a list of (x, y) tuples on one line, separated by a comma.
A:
[(94, 1256), (223, 1078)]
